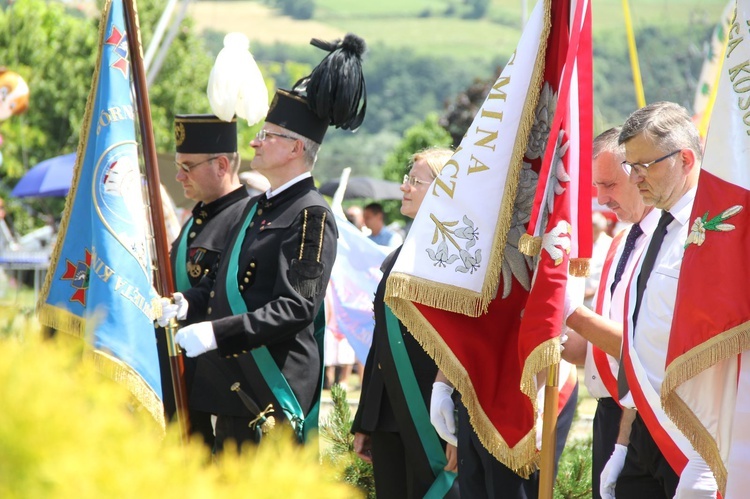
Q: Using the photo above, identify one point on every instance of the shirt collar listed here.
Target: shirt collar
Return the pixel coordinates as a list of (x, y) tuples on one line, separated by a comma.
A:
[(648, 224), (683, 207), (271, 193)]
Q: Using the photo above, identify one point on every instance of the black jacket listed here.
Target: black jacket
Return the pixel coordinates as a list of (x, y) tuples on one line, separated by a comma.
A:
[(286, 258), (375, 411)]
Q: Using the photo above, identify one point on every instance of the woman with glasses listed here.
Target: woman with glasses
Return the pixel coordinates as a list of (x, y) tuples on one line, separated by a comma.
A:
[(392, 426)]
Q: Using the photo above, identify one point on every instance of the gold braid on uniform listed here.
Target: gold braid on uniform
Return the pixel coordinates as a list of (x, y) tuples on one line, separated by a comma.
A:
[(306, 272)]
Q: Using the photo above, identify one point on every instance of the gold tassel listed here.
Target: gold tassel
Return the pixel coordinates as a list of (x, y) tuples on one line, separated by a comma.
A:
[(579, 267), (530, 245)]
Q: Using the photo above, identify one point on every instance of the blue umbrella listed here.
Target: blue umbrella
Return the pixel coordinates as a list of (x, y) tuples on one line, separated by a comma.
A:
[(51, 177)]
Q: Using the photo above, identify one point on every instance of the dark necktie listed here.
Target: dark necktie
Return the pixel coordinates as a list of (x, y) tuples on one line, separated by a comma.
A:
[(648, 265), (633, 235)]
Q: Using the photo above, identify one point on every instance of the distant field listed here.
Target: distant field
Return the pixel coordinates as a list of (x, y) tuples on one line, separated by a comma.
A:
[(399, 23)]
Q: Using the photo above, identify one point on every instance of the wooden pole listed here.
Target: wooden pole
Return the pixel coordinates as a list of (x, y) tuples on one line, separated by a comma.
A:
[(549, 432), (163, 268)]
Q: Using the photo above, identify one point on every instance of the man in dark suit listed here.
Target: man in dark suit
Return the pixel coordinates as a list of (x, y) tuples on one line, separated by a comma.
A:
[(207, 164), (261, 306)]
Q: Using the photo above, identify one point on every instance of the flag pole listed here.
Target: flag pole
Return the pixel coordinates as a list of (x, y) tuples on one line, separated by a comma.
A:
[(163, 268), (549, 433)]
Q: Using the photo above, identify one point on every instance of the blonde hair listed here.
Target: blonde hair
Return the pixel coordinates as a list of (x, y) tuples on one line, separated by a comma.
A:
[(435, 157)]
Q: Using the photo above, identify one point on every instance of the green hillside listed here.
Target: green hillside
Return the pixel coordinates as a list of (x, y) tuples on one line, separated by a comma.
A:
[(435, 27)]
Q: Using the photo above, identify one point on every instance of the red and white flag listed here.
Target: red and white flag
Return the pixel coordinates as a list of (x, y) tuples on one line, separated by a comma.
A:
[(461, 284), (711, 325)]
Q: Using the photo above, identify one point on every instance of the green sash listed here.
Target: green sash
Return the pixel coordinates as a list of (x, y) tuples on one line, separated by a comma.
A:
[(272, 375), (180, 272), (419, 415)]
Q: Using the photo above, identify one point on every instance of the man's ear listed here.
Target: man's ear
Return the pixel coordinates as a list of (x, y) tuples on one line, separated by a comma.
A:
[(224, 165), (688, 159)]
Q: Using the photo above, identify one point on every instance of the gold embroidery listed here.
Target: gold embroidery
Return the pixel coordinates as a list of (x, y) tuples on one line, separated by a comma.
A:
[(179, 134), (304, 230), (322, 233)]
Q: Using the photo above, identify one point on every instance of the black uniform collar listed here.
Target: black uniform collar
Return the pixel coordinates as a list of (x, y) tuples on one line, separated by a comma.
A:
[(208, 211), (304, 185)]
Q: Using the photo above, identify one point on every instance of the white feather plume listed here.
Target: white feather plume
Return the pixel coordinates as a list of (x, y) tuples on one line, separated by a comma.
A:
[(236, 85)]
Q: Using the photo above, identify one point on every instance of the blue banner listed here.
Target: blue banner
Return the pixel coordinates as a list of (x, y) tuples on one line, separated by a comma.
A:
[(99, 286)]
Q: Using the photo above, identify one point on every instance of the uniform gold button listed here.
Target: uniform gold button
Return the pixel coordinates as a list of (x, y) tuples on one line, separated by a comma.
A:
[(379, 366), (205, 271), (212, 294), (252, 223), (209, 310), (235, 355), (198, 221), (242, 288), (260, 211), (246, 280), (192, 235), (248, 273), (252, 265)]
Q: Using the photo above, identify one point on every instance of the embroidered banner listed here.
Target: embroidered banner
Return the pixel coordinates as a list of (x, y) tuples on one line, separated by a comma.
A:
[(460, 283), (99, 286)]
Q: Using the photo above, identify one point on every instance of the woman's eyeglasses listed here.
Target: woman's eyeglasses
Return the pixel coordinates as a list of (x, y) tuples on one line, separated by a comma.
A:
[(413, 181)]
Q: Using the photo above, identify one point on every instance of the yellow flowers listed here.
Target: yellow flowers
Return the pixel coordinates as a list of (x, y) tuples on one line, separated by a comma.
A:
[(66, 431)]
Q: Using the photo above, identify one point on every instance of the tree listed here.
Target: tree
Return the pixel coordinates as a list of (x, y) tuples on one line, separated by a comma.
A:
[(55, 51), (426, 134), (460, 113)]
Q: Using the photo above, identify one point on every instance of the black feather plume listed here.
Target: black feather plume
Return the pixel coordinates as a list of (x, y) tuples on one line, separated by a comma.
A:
[(336, 89)]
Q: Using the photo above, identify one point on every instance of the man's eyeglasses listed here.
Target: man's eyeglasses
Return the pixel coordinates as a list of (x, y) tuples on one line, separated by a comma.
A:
[(413, 181), (188, 168), (641, 168), (263, 135)]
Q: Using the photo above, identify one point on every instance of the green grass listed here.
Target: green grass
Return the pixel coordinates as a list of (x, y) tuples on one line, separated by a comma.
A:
[(397, 23), (481, 40)]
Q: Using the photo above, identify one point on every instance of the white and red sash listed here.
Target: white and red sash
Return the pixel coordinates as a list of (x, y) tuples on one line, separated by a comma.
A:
[(672, 443), (602, 365)]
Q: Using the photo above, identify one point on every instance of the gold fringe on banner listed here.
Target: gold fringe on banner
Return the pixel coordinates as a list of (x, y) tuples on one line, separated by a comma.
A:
[(523, 459), (530, 245), (579, 267), (123, 374), (726, 345), (61, 320)]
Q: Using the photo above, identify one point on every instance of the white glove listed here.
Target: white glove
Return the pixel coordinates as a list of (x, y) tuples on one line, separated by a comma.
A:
[(441, 412), (611, 471), (196, 339), (176, 308), (563, 338), (574, 291)]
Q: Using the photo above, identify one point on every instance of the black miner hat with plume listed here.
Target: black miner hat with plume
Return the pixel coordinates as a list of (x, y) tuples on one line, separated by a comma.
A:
[(333, 94)]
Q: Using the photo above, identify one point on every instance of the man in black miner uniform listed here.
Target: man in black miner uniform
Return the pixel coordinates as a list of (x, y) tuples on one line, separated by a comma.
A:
[(261, 305), (207, 164)]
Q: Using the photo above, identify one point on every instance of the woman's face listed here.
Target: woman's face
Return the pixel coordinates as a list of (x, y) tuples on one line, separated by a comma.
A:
[(414, 194)]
